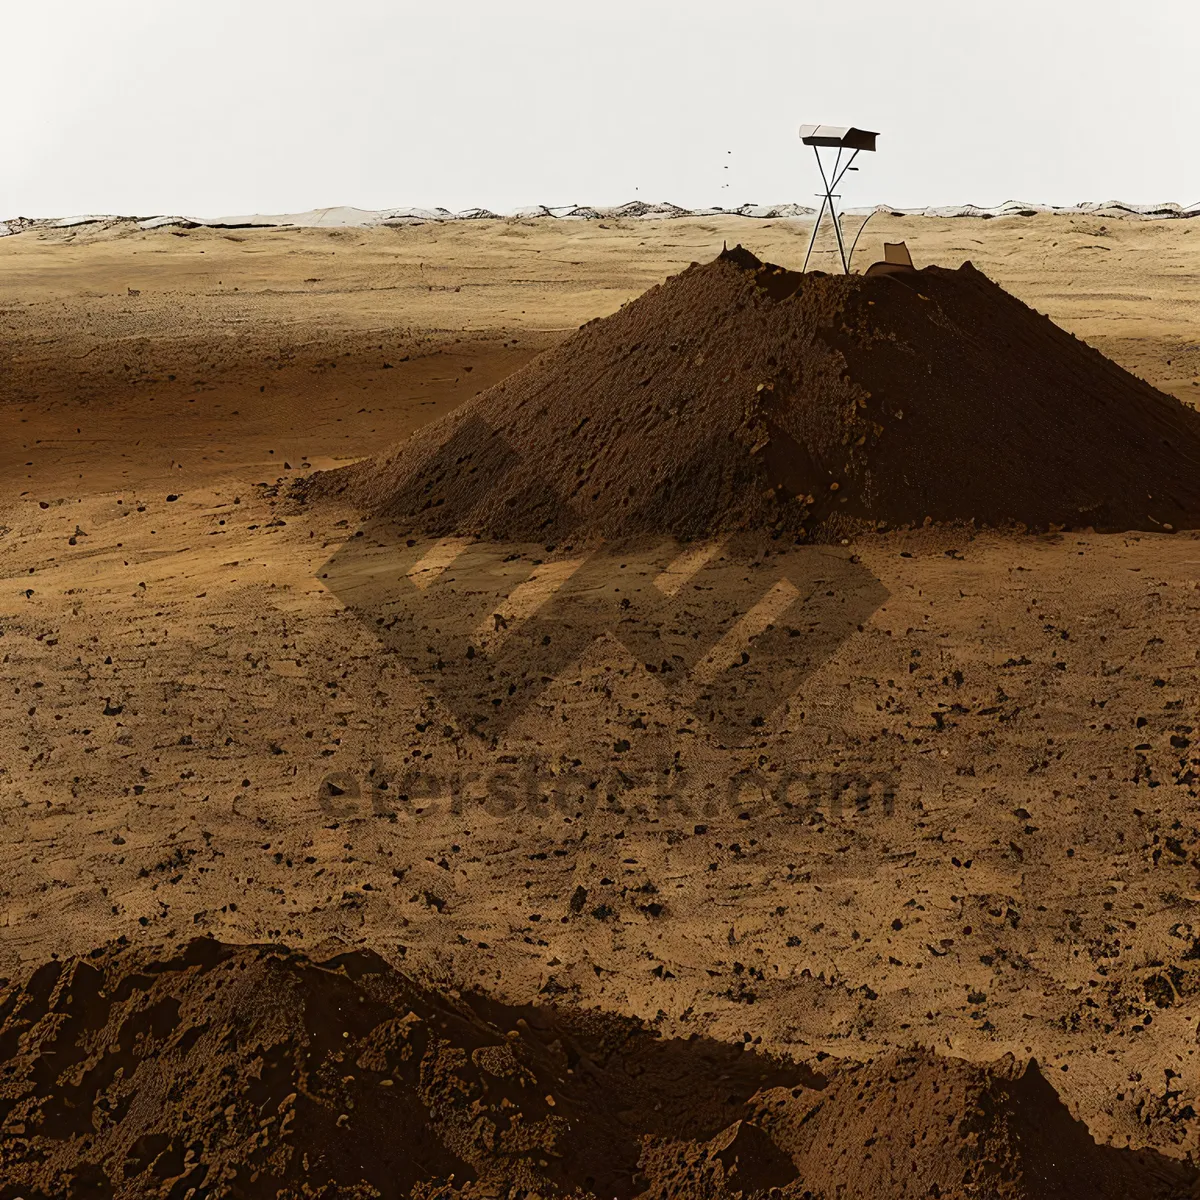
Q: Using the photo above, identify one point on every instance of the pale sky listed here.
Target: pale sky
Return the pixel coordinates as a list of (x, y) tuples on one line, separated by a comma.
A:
[(217, 107)]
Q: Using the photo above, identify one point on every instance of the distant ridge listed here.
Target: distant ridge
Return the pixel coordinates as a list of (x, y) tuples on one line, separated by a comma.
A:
[(344, 216)]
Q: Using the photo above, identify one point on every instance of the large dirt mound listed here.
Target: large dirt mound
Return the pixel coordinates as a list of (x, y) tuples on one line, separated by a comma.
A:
[(222, 1071), (741, 395)]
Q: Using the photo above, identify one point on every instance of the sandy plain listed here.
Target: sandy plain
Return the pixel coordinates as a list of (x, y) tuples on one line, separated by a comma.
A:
[(998, 849)]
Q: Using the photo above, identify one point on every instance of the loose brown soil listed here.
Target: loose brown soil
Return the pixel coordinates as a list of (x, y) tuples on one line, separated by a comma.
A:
[(739, 395), (222, 1071)]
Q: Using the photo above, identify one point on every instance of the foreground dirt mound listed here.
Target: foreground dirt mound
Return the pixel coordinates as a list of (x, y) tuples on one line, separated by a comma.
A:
[(740, 395), (257, 1072), (914, 1125)]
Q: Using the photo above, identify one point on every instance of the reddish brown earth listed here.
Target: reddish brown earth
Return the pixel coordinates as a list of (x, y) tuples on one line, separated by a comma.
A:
[(210, 1070), (740, 395), (949, 827)]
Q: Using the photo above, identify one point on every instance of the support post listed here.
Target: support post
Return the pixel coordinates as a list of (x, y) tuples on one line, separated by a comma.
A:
[(830, 181)]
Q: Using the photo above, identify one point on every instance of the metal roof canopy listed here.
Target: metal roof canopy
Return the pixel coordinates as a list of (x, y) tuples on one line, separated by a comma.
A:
[(846, 137), (841, 138)]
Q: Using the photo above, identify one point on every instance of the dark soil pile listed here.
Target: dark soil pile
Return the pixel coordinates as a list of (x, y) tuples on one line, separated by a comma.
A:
[(741, 395), (916, 1125), (258, 1072)]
